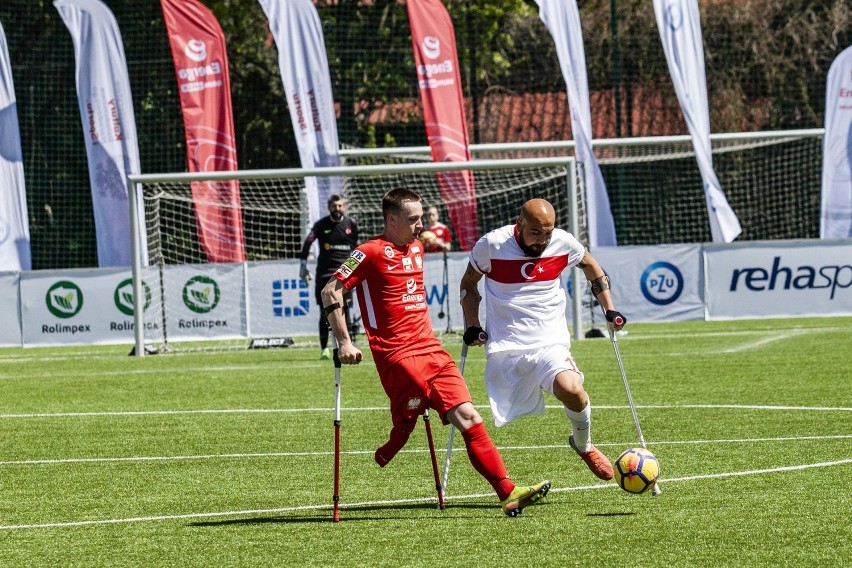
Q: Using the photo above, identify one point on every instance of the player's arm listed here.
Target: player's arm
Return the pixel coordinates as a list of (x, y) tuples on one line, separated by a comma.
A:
[(470, 300), (599, 282), (332, 301), (304, 273)]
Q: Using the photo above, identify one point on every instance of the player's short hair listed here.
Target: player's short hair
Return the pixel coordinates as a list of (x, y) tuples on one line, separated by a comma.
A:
[(334, 199), (393, 200)]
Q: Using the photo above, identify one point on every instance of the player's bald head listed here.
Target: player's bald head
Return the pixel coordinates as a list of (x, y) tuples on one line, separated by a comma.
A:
[(535, 226), (538, 212)]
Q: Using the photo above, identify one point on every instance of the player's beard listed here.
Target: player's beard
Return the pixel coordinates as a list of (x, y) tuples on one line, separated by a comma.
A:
[(532, 251), (336, 216)]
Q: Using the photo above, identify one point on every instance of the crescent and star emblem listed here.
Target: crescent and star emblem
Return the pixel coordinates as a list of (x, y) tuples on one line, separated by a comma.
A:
[(524, 270)]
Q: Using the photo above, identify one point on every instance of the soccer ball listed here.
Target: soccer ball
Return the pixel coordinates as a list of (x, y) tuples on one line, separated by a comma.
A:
[(636, 470), (428, 237)]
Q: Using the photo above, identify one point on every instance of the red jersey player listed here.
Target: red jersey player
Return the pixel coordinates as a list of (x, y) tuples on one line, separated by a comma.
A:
[(415, 371)]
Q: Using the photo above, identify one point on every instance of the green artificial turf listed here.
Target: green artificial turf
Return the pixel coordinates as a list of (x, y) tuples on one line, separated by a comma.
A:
[(226, 459)]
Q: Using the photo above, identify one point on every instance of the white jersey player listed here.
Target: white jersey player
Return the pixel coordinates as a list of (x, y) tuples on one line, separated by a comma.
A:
[(527, 342)]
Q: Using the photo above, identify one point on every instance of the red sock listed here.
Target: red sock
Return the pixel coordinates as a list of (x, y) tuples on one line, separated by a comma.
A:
[(398, 437), (485, 458)]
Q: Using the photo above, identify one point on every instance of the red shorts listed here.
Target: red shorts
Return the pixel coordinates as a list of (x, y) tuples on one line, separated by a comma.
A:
[(418, 382)]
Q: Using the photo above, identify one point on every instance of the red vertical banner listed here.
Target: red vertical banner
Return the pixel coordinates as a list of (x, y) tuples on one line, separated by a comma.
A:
[(201, 63), (443, 111)]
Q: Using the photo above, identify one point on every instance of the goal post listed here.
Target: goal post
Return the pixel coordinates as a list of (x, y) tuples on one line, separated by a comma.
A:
[(178, 275), (771, 179)]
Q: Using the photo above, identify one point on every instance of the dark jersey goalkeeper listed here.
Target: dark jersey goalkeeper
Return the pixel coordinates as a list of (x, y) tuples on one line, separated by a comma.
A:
[(336, 235)]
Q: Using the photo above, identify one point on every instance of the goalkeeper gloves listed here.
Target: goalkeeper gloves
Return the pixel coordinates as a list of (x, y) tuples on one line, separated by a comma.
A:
[(474, 333), (304, 274)]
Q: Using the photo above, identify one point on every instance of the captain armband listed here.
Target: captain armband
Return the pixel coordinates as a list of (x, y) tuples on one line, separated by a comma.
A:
[(330, 308), (599, 284)]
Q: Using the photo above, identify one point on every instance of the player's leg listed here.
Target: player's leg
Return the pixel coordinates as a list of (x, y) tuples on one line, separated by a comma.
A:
[(487, 461), (323, 322), (567, 387), (449, 395), (400, 432), (407, 402)]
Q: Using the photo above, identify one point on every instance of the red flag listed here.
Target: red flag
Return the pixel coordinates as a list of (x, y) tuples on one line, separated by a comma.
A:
[(443, 110), (201, 63)]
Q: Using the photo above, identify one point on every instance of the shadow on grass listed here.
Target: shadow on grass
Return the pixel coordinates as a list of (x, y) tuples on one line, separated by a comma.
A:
[(619, 514), (347, 514)]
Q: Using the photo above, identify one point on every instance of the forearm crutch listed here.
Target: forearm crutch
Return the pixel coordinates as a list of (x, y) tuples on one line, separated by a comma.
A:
[(618, 321)]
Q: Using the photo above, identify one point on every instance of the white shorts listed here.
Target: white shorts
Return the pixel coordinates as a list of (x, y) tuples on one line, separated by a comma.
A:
[(515, 380)]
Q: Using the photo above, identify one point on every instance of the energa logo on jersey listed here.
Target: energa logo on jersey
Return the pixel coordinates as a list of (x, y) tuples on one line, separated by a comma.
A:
[(64, 299)]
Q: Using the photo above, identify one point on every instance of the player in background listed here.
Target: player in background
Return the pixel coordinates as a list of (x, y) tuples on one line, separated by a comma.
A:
[(415, 371), (436, 236), (337, 235), (527, 343)]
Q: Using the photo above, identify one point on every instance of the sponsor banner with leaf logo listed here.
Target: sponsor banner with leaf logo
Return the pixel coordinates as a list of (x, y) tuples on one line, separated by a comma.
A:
[(205, 301), (79, 307)]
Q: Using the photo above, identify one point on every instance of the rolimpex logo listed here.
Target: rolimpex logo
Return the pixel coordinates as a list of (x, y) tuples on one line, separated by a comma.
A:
[(757, 279), (64, 299), (661, 283), (123, 296), (196, 50), (431, 47), (201, 294)]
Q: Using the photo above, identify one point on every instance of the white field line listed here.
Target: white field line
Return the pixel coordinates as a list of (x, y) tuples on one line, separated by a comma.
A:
[(15, 357), (362, 504), (751, 345), (276, 366), (265, 455), (130, 413)]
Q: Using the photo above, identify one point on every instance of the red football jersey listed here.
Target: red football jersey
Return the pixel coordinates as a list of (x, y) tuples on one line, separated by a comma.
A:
[(389, 282)]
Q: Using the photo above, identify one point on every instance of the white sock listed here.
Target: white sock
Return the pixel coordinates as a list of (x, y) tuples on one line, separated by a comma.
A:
[(581, 422)]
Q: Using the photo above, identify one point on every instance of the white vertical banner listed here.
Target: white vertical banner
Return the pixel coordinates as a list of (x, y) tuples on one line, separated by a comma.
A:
[(109, 126), (562, 20), (836, 208), (295, 25), (14, 223), (680, 31)]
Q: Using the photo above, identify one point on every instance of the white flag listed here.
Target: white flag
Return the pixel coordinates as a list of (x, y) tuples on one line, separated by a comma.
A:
[(14, 223), (836, 214), (563, 21), (109, 126), (680, 31), (295, 25)]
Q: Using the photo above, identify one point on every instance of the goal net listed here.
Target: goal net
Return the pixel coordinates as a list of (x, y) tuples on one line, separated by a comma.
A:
[(771, 180), (189, 299)]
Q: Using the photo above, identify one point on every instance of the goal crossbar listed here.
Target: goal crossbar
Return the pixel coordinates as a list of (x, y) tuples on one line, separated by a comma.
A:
[(139, 183)]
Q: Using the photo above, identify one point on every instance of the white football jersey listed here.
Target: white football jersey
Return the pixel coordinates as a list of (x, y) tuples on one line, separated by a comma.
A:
[(525, 301)]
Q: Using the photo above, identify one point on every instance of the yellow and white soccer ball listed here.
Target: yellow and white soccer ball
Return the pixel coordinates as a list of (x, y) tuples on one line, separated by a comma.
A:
[(428, 237), (636, 470)]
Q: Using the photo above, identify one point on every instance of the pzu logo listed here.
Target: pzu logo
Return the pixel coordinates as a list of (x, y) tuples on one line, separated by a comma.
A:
[(290, 298), (661, 283)]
